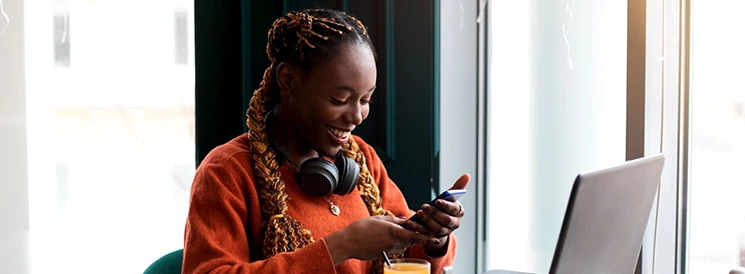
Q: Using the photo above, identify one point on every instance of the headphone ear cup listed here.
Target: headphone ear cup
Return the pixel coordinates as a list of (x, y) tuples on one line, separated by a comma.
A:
[(349, 172), (318, 176)]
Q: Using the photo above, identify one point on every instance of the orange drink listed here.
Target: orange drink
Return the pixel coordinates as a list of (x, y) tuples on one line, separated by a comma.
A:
[(407, 266)]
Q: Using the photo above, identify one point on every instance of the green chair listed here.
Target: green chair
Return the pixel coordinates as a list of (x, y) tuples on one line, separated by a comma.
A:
[(168, 264)]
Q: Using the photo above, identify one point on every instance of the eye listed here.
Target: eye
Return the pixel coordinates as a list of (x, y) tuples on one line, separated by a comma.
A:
[(336, 101), (366, 101)]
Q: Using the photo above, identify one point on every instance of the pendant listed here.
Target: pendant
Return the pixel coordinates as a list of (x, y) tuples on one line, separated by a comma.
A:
[(334, 209)]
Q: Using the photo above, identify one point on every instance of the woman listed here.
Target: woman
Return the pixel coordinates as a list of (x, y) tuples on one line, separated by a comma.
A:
[(257, 203)]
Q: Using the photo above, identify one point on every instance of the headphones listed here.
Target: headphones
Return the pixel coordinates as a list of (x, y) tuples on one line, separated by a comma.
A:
[(319, 176)]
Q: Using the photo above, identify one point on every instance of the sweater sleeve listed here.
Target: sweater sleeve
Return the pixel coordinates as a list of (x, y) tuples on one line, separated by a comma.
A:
[(393, 200), (215, 239)]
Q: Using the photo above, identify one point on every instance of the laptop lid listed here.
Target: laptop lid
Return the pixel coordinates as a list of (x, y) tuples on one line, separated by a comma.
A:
[(606, 218)]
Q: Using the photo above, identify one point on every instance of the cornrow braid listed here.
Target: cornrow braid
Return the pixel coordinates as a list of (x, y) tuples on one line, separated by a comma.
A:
[(294, 37), (363, 28), (302, 23), (358, 22)]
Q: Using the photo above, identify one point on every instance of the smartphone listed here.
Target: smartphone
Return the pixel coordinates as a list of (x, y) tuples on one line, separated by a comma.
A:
[(449, 195)]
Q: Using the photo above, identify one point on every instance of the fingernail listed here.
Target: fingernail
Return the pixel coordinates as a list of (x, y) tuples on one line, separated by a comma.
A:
[(436, 242), (440, 202)]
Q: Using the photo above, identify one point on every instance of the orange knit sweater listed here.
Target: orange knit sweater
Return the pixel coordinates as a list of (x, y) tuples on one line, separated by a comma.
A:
[(224, 199)]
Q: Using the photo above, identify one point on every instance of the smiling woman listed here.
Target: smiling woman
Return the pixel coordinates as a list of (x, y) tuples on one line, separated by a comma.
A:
[(316, 90)]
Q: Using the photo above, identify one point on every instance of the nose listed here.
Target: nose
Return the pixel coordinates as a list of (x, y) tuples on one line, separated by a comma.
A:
[(354, 115)]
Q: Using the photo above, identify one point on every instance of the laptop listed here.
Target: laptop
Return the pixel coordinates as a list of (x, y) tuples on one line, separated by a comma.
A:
[(606, 218)]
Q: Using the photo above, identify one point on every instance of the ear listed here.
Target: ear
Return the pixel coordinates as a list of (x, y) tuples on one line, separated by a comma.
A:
[(287, 78)]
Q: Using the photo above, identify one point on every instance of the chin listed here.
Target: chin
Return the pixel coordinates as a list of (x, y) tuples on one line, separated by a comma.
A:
[(324, 147), (326, 144), (329, 150)]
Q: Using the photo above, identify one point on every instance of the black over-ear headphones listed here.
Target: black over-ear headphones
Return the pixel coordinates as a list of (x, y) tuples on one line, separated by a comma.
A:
[(319, 176)]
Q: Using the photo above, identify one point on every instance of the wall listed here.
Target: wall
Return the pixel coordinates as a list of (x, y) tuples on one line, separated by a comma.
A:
[(14, 217)]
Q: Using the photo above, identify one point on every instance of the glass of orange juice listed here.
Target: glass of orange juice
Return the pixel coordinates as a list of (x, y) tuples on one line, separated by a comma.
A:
[(407, 266)]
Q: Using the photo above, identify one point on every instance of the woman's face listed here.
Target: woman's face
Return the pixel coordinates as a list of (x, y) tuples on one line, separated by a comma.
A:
[(333, 98)]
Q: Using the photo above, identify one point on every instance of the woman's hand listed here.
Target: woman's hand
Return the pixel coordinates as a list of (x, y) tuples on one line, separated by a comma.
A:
[(440, 220), (366, 239)]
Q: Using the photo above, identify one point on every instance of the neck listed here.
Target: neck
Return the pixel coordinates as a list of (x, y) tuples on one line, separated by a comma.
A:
[(284, 135)]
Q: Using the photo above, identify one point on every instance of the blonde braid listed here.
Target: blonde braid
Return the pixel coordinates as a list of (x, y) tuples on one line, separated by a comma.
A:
[(367, 189), (283, 233)]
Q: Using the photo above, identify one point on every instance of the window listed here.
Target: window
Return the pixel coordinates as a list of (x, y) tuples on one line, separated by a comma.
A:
[(557, 107), (717, 137), (110, 119), (62, 39)]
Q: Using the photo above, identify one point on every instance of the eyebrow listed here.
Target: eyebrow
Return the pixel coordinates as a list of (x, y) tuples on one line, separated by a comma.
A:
[(350, 89)]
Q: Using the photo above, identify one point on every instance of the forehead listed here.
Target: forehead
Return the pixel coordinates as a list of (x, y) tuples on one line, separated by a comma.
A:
[(352, 66)]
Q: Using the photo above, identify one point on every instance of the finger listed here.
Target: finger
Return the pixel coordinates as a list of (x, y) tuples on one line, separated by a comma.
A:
[(437, 228), (400, 220), (396, 220), (411, 237), (442, 218), (450, 208), (420, 228), (423, 239), (462, 181)]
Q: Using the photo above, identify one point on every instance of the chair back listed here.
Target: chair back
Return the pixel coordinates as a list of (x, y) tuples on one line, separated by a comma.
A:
[(168, 264)]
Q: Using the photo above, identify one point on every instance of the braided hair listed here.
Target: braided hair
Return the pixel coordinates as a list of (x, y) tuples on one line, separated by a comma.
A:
[(307, 38)]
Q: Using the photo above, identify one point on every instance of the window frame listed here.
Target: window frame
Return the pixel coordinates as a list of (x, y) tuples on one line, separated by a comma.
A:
[(462, 112), (665, 246), (657, 83)]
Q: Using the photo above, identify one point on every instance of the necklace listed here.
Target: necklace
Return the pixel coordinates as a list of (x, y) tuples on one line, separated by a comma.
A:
[(332, 207)]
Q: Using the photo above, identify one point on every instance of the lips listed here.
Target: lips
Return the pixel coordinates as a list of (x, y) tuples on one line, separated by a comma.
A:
[(338, 135)]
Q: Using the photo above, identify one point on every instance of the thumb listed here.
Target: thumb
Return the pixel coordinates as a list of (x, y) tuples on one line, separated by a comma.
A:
[(400, 220), (392, 219), (462, 181)]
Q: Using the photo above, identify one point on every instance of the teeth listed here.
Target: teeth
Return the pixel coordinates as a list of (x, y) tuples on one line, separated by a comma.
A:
[(337, 132)]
